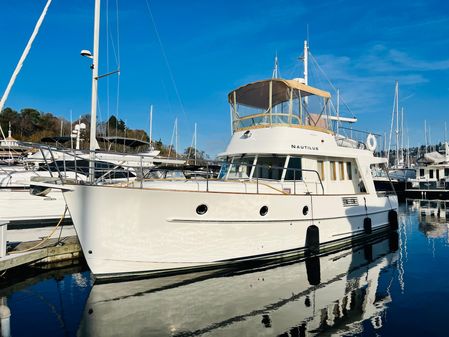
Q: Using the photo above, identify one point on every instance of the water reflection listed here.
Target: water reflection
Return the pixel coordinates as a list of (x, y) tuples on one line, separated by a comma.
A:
[(334, 294), (432, 216)]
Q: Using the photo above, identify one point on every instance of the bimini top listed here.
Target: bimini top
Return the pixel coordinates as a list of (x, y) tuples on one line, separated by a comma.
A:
[(279, 102), (257, 94)]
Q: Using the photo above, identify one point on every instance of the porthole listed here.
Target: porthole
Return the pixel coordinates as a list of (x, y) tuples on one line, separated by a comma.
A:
[(305, 210), (201, 209), (263, 210)]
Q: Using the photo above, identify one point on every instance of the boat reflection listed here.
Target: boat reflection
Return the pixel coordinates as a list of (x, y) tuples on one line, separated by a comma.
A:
[(332, 294), (432, 216)]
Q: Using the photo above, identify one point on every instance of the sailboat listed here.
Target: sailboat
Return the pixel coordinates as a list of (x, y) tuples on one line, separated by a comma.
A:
[(286, 189), (399, 173)]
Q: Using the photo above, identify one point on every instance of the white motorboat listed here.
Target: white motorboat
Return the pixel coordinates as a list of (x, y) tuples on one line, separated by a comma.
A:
[(288, 188)]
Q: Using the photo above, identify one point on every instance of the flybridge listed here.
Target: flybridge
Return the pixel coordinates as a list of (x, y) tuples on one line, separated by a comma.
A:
[(279, 102)]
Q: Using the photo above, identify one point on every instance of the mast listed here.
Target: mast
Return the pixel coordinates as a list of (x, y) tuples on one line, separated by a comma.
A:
[(425, 133), (397, 124), (93, 145), (402, 135), (306, 63), (151, 124), (22, 60), (276, 67), (338, 110), (194, 142), (176, 138)]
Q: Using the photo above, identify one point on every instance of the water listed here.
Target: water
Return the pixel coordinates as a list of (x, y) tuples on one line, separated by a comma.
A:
[(394, 286)]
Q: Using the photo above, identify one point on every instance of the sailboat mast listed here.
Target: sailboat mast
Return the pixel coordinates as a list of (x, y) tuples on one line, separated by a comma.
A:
[(402, 135), (176, 138), (425, 133), (22, 60), (397, 123), (194, 143), (151, 124), (93, 107)]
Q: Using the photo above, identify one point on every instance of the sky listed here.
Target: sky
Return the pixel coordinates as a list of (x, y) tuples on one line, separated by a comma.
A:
[(184, 57)]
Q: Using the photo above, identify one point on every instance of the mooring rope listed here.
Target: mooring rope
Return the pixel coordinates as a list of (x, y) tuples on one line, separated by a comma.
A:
[(45, 239)]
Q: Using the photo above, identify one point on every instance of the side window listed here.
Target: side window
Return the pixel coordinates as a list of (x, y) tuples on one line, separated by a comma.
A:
[(421, 172), (333, 170), (446, 172), (293, 169), (349, 170), (321, 169), (430, 174), (240, 168), (269, 167), (342, 170)]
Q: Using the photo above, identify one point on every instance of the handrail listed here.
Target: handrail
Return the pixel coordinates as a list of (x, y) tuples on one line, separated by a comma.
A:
[(126, 168), (280, 168)]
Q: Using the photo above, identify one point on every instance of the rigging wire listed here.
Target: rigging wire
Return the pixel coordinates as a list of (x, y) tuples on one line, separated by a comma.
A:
[(164, 55), (330, 83)]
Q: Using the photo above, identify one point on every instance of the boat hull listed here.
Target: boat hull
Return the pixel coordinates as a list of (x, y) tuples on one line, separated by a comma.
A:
[(23, 210), (135, 232)]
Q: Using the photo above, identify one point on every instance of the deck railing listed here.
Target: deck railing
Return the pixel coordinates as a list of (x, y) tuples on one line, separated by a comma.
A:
[(73, 167)]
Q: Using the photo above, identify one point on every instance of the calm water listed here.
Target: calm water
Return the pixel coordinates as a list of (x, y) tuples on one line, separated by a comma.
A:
[(395, 286)]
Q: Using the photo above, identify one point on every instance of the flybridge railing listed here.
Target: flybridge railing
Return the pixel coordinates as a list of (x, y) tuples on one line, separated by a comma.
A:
[(349, 137), (67, 166)]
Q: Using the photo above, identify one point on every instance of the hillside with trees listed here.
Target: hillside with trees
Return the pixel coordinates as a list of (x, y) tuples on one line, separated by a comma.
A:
[(32, 125)]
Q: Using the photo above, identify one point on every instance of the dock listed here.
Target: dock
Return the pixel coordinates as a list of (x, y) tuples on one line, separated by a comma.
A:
[(42, 252)]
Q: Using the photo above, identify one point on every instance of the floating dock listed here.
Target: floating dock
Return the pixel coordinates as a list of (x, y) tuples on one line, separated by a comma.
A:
[(37, 252)]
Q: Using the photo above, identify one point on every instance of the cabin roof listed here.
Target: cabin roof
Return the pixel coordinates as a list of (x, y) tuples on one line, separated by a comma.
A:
[(131, 142), (257, 95)]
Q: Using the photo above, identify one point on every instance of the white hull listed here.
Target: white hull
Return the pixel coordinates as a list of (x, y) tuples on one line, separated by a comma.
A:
[(139, 231), (19, 206)]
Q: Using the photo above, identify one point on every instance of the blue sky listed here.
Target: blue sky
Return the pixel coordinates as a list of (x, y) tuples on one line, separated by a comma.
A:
[(210, 47)]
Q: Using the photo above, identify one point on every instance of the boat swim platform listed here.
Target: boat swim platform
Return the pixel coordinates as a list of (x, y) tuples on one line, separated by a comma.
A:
[(51, 252)]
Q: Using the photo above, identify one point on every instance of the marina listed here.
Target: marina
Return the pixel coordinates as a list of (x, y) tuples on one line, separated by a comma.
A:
[(291, 202), (363, 290)]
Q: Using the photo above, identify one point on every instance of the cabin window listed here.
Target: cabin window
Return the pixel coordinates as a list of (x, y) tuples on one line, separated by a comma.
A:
[(421, 172), (241, 168), (437, 171), (446, 172), (269, 168), (342, 170), (321, 169), (294, 169), (349, 170), (333, 170), (430, 174)]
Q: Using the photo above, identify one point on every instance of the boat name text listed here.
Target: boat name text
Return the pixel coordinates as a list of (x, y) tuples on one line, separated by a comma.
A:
[(305, 147)]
